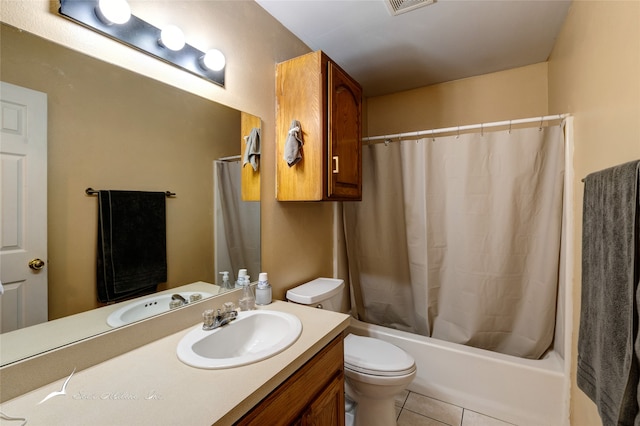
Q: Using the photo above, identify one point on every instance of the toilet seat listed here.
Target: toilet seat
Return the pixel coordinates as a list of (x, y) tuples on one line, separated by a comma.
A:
[(376, 357)]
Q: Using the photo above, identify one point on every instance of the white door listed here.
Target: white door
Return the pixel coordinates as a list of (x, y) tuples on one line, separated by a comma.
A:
[(23, 207)]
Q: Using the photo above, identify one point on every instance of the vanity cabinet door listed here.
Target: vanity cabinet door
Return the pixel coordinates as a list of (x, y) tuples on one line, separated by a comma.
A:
[(327, 103), (328, 408), (313, 395)]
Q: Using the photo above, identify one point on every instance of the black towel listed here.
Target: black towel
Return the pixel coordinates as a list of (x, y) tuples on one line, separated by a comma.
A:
[(607, 364), (132, 248)]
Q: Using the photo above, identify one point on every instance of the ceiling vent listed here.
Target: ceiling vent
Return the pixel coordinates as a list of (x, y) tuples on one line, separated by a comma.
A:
[(396, 7)]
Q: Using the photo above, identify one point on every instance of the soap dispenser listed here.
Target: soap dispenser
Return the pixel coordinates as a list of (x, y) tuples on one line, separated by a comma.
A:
[(226, 285), (247, 301)]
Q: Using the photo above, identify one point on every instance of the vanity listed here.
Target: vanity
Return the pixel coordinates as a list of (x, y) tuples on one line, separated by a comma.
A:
[(151, 386)]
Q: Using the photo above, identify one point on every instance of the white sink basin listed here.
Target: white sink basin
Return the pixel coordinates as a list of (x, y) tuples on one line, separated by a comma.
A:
[(251, 337), (147, 307)]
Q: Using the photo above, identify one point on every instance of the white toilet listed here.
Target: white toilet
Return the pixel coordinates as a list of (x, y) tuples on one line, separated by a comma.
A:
[(375, 370)]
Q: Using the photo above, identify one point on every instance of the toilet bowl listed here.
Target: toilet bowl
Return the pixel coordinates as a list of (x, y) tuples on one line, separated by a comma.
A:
[(375, 371)]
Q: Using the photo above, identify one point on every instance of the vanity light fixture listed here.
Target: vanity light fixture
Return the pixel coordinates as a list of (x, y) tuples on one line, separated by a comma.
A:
[(172, 38), (113, 11), (167, 44), (213, 60)]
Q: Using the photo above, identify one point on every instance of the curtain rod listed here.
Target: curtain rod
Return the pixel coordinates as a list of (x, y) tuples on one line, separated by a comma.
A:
[(230, 158), (481, 126)]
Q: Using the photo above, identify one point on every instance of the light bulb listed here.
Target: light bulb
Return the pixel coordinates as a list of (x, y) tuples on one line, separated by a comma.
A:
[(214, 60), (113, 11), (172, 37)]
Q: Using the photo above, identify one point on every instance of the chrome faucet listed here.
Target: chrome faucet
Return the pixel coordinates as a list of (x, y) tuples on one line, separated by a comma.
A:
[(177, 301), (218, 319), (179, 298)]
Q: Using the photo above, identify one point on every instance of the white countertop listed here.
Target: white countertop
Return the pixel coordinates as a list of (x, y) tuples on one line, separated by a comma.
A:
[(150, 386)]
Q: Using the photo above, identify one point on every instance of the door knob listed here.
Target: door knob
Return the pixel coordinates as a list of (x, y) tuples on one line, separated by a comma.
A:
[(36, 264)]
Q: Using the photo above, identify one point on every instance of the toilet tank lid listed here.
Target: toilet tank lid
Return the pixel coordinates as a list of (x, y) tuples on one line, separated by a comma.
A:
[(315, 291)]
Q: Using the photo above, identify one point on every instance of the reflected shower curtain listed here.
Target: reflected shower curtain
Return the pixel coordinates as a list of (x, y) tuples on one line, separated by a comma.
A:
[(237, 226), (458, 238)]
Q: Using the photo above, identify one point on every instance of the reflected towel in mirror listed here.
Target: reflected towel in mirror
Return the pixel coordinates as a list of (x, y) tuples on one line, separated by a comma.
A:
[(252, 149), (132, 253)]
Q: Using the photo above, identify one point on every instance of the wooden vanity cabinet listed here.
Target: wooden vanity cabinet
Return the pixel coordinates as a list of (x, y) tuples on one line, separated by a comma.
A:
[(313, 395), (328, 104)]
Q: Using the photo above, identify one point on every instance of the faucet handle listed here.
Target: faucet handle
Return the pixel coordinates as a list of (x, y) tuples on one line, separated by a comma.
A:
[(209, 317), (229, 306)]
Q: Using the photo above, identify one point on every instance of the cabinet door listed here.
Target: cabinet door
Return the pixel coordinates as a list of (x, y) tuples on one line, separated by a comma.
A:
[(328, 407), (344, 174), (314, 391)]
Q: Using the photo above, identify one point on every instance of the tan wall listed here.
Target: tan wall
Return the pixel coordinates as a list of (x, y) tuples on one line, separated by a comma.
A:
[(297, 237), (594, 73), (506, 95)]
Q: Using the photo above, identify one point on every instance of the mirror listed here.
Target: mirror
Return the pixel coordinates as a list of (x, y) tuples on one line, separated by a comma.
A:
[(109, 128)]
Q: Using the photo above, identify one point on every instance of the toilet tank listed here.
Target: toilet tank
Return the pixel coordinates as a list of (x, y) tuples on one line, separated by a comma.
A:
[(324, 293)]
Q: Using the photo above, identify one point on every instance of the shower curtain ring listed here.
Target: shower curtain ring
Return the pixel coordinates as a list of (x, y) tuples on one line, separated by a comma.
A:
[(458, 133), (387, 142), (509, 126), (541, 120), (481, 129), (433, 138)]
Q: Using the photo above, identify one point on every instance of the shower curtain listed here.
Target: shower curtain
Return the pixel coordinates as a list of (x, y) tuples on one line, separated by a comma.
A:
[(458, 238), (237, 223)]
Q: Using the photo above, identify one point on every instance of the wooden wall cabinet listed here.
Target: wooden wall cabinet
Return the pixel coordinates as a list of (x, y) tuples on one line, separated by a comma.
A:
[(250, 187), (328, 104), (312, 396)]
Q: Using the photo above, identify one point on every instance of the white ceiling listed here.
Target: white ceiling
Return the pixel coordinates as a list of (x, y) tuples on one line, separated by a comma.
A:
[(444, 41)]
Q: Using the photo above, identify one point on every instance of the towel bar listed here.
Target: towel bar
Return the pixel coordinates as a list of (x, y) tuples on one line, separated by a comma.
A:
[(91, 191)]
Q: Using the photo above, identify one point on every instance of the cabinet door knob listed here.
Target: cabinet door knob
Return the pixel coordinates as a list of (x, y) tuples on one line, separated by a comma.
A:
[(336, 164), (36, 264)]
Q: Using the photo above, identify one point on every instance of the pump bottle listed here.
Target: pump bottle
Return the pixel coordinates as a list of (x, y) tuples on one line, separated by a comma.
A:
[(247, 301), (226, 285)]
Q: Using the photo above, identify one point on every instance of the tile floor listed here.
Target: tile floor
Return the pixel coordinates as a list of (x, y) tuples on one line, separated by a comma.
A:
[(414, 409)]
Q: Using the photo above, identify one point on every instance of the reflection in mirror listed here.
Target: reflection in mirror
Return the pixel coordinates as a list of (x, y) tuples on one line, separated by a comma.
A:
[(19, 344), (237, 238), (109, 128), (237, 216)]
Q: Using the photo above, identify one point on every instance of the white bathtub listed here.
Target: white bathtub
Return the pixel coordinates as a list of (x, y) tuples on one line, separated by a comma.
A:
[(521, 391)]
